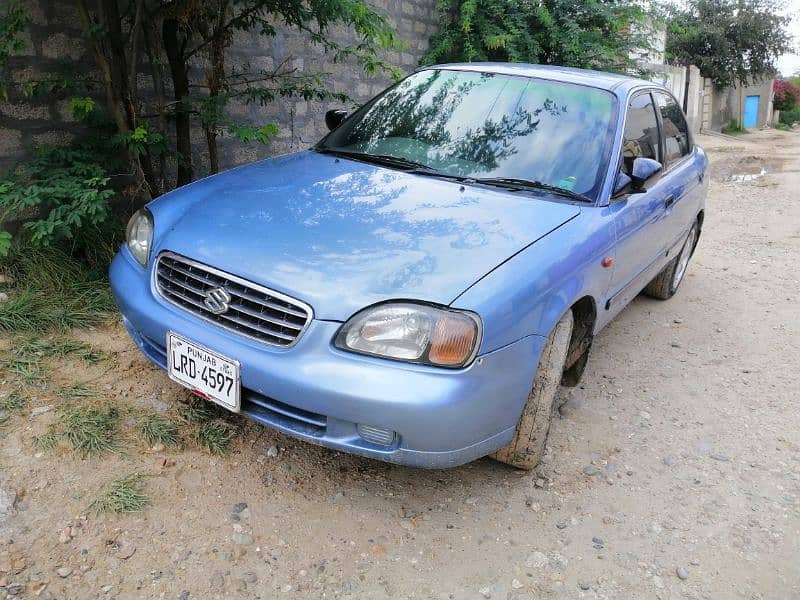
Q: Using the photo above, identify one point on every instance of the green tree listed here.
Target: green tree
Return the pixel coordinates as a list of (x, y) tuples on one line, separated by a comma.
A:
[(592, 34), (176, 37), (731, 41)]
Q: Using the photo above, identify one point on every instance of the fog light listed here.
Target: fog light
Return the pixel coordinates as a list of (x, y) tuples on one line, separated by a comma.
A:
[(376, 435)]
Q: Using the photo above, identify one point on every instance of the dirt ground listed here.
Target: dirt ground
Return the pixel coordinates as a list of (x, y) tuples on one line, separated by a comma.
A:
[(673, 472)]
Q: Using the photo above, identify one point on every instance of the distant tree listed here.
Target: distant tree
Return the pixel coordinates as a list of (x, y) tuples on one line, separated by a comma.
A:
[(787, 96), (731, 41), (593, 34)]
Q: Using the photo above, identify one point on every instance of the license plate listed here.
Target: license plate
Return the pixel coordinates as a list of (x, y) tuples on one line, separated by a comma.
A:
[(205, 372)]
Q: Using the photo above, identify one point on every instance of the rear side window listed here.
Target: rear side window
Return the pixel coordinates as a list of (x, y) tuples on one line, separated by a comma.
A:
[(676, 132), (641, 132)]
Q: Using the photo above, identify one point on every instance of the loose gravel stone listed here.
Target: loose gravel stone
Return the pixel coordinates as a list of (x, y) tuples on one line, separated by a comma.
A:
[(591, 470), (681, 572), (719, 457), (239, 507), (242, 539), (584, 585), (64, 571)]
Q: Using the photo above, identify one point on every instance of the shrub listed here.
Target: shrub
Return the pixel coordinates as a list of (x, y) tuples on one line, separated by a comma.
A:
[(787, 96), (790, 117), (58, 192)]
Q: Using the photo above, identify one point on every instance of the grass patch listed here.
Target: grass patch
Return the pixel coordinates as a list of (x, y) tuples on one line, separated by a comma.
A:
[(77, 391), (53, 290), (28, 356), (196, 410), (215, 436), (90, 429), (11, 404), (47, 441), (123, 495), (157, 429), (733, 128)]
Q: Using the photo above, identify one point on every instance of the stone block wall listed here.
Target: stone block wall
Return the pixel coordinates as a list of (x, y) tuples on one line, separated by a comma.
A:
[(55, 36)]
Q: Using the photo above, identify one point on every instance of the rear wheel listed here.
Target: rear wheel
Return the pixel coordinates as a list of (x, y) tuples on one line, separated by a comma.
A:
[(526, 448), (666, 283)]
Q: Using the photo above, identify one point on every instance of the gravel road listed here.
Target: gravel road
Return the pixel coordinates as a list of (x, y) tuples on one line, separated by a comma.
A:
[(673, 472)]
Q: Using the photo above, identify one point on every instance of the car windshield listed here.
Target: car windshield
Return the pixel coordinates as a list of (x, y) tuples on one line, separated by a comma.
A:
[(487, 126)]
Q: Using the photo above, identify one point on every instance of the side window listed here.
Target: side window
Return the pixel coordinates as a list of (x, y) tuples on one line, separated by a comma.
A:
[(676, 132), (641, 132)]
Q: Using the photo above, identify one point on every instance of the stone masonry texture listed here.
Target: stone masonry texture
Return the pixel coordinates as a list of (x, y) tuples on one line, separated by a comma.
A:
[(55, 38)]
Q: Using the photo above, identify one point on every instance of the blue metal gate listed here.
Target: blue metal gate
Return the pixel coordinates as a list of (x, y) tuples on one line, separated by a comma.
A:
[(751, 111)]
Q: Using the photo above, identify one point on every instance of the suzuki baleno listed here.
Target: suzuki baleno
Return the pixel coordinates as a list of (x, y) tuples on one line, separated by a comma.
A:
[(416, 286)]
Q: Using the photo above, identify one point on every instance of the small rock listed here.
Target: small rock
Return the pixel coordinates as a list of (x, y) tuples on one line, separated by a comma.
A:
[(485, 592), (272, 451), (694, 562), (669, 460), (106, 588), (561, 525), (239, 507), (125, 550), (539, 483), (677, 321), (516, 584), (3, 297), (471, 500), (158, 447), (584, 585), (64, 571), (537, 560), (675, 345), (234, 518), (14, 589), (591, 470), (287, 588), (242, 539), (184, 595), (249, 577), (645, 415), (40, 410), (719, 457), (681, 572), (597, 540)]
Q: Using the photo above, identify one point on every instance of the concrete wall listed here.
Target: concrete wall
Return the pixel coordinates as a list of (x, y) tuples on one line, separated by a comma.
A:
[(55, 34), (728, 104)]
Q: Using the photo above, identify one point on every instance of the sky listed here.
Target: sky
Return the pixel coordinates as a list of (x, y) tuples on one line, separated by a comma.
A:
[(788, 64)]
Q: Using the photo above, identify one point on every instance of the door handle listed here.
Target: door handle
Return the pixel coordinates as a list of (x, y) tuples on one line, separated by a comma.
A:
[(669, 201)]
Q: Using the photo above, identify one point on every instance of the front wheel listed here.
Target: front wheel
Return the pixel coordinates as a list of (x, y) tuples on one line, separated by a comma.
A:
[(526, 448), (666, 283)]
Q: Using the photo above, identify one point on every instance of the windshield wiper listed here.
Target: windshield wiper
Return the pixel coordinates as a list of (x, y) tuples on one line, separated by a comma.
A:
[(386, 159), (529, 184), (412, 166)]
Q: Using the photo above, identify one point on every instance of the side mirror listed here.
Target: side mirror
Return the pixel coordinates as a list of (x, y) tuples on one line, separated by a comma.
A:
[(643, 170), (334, 118)]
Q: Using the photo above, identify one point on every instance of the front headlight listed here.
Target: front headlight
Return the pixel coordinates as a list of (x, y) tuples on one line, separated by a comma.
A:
[(139, 235), (415, 333)]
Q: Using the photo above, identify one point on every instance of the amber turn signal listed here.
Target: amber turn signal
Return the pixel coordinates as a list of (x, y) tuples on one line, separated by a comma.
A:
[(452, 341)]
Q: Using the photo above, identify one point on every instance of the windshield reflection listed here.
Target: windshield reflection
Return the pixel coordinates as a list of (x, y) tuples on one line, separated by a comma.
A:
[(470, 124)]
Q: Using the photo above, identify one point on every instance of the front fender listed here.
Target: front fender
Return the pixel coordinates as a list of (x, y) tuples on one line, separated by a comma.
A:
[(529, 293)]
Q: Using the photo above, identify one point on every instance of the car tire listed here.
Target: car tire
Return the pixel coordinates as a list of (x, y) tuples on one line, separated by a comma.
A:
[(666, 283), (526, 448)]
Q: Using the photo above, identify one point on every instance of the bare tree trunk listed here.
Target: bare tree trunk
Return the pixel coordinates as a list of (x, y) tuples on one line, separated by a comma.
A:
[(174, 47), (216, 80), (110, 56)]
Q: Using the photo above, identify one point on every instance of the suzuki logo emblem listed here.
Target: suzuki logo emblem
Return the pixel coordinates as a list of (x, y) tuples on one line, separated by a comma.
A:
[(217, 300)]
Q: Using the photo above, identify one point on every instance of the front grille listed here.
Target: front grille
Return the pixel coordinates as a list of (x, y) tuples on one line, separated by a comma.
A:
[(253, 311)]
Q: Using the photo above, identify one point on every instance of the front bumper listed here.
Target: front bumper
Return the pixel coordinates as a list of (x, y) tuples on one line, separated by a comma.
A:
[(317, 393)]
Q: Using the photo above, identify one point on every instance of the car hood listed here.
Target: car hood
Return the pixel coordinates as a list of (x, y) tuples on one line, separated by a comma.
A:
[(341, 235)]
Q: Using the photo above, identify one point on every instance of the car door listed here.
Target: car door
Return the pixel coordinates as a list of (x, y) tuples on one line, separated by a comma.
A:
[(683, 173), (641, 228)]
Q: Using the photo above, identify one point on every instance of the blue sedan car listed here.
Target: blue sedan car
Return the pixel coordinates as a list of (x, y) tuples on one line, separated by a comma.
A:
[(416, 287)]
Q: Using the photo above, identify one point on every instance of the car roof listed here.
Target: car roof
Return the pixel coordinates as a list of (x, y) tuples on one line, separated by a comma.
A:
[(620, 84)]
